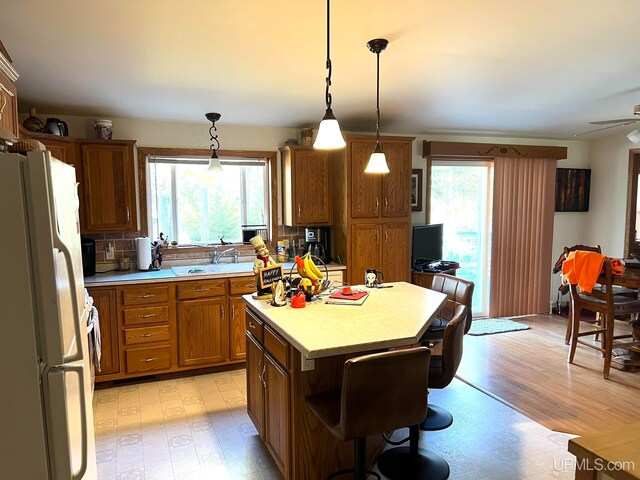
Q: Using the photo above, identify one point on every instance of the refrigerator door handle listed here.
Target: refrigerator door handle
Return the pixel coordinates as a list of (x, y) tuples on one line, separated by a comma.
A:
[(59, 244), (79, 370)]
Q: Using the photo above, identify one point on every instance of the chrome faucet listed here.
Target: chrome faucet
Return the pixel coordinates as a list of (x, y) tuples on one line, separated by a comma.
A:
[(217, 256)]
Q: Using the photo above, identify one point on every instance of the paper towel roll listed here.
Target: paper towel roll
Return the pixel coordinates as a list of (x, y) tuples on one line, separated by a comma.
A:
[(143, 246)]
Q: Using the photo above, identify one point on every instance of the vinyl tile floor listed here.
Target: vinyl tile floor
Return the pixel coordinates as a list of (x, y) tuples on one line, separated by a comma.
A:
[(197, 428)]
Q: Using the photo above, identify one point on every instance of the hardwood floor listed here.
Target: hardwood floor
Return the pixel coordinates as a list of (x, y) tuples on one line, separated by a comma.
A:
[(528, 371)]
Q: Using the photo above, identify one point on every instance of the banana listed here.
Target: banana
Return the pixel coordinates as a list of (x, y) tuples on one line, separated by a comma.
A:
[(309, 269), (302, 272), (314, 268)]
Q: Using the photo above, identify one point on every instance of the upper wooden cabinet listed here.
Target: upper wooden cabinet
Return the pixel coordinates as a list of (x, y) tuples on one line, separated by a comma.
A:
[(8, 99), (306, 187), (108, 178), (374, 195)]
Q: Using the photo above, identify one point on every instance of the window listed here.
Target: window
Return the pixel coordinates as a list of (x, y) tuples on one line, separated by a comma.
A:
[(195, 207)]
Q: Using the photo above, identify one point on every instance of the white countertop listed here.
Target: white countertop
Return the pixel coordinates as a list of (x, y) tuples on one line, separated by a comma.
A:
[(221, 270), (390, 317)]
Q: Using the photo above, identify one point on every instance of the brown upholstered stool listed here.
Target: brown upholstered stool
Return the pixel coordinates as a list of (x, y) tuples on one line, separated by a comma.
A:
[(443, 368), (380, 392), (459, 292)]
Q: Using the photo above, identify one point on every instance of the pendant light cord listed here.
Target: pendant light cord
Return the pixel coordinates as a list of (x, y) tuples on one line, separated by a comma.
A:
[(378, 98), (328, 98)]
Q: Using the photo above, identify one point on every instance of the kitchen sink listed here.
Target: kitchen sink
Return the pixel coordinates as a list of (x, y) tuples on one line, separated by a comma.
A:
[(212, 269)]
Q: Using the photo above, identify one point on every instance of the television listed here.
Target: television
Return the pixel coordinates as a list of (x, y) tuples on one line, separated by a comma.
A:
[(427, 243)]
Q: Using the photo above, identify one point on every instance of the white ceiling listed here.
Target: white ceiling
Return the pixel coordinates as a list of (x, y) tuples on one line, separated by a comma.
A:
[(526, 67)]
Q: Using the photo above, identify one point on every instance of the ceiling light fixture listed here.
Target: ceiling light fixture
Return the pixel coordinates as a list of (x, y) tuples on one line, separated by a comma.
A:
[(214, 161), (377, 161), (634, 136), (329, 135)]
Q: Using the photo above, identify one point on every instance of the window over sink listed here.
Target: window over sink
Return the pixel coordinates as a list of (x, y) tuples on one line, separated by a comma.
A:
[(193, 206)]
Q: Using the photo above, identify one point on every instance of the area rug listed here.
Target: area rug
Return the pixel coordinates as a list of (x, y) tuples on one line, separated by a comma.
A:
[(489, 326)]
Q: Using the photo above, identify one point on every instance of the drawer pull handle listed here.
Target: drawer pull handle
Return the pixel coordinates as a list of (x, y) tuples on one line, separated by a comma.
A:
[(146, 295), (264, 383), (251, 325), (148, 315), (200, 290), (152, 359), (148, 335)]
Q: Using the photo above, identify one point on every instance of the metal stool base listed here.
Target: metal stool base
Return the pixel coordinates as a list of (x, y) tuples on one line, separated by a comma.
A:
[(398, 463), (437, 419)]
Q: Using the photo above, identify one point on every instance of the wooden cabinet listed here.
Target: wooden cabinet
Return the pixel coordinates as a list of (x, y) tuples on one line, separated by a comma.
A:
[(374, 195), (269, 390), (8, 99), (255, 384), (306, 187), (147, 322), (108, 175), (276, 413), (372, 217), (104, 299), (202, 332), (237, 341)]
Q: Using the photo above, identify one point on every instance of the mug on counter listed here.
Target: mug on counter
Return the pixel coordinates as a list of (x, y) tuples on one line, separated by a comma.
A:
[(373, 278)]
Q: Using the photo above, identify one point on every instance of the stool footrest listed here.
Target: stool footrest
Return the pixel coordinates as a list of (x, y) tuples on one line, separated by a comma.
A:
[(398, 463)]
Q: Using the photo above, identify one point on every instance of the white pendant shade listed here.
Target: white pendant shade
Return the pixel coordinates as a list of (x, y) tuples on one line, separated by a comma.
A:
[(377, 163), (214, 165), (634, 136), (329, 135)]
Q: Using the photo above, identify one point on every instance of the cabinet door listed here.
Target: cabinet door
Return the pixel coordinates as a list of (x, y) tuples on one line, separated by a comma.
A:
[(312, 197), (396, 185), (396, 252), (109, 187), (276, 408), (8, 109), (105, 302), (366, 251), (203, 332), (365, 188), (255, 383), (237, 342)]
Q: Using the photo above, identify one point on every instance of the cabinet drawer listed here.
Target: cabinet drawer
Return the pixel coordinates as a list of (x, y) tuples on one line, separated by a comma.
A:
[(254, 325), (277, 346), (203, 289), (138, 316), (144, 295), (134, 336), (148, 359), (242, 286)]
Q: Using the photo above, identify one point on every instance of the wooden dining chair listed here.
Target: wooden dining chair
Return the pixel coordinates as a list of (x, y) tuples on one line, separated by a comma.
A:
[(601, 301)]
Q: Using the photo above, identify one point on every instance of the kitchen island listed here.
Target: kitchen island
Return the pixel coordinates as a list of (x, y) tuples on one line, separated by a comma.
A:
[(293, 353)]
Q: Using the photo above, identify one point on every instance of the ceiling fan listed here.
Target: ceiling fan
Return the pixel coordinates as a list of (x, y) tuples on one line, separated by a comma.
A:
[(615, 123)]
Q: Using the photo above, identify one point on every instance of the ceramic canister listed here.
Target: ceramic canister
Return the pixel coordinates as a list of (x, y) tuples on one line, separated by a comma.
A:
[(104, 129)]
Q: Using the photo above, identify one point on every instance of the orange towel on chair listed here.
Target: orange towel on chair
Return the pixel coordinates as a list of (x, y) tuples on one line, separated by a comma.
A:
[(583, 269)]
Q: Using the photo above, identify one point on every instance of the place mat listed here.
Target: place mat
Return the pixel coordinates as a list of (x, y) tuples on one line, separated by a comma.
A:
[(489, 326)]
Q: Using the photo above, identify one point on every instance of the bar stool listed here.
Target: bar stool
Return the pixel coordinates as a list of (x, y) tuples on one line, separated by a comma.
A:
[(443, 368), (380, 392)]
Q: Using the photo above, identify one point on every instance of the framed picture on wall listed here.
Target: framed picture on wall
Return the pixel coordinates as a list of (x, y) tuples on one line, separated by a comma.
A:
[(416, 190), (572, 189)]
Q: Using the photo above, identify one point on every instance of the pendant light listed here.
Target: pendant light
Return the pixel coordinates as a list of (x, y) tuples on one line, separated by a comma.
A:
[(377, 161), (329, 136), (214, 161)]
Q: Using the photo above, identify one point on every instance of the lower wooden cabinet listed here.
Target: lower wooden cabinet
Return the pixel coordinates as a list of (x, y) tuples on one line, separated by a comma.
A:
[(237, 342), (276, 408), (104, 299), (396, 252), (255, 383), (203, 332), (268, 392), (366, 251)]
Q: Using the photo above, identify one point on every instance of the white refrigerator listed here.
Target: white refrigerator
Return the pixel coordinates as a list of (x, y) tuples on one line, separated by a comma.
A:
[(45, 382)]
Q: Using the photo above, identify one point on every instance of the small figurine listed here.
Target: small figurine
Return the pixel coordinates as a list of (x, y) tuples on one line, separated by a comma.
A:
[(156, 255), (263, 260), (279, 294), (164, 239)]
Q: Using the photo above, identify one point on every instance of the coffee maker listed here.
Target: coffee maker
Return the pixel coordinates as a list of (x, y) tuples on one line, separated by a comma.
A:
[(318, 243)]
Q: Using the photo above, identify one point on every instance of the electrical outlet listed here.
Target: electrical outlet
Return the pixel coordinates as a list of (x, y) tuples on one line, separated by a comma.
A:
[(307, 364), (109, 255)]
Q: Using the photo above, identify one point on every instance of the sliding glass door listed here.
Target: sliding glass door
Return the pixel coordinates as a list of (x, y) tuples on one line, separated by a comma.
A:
[(461, 199)]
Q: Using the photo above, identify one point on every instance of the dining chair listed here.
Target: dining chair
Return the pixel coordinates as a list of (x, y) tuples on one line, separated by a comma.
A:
[(601, 301)]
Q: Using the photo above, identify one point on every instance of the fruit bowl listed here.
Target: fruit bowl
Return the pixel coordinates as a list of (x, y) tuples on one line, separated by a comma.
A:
[(313, 282)]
